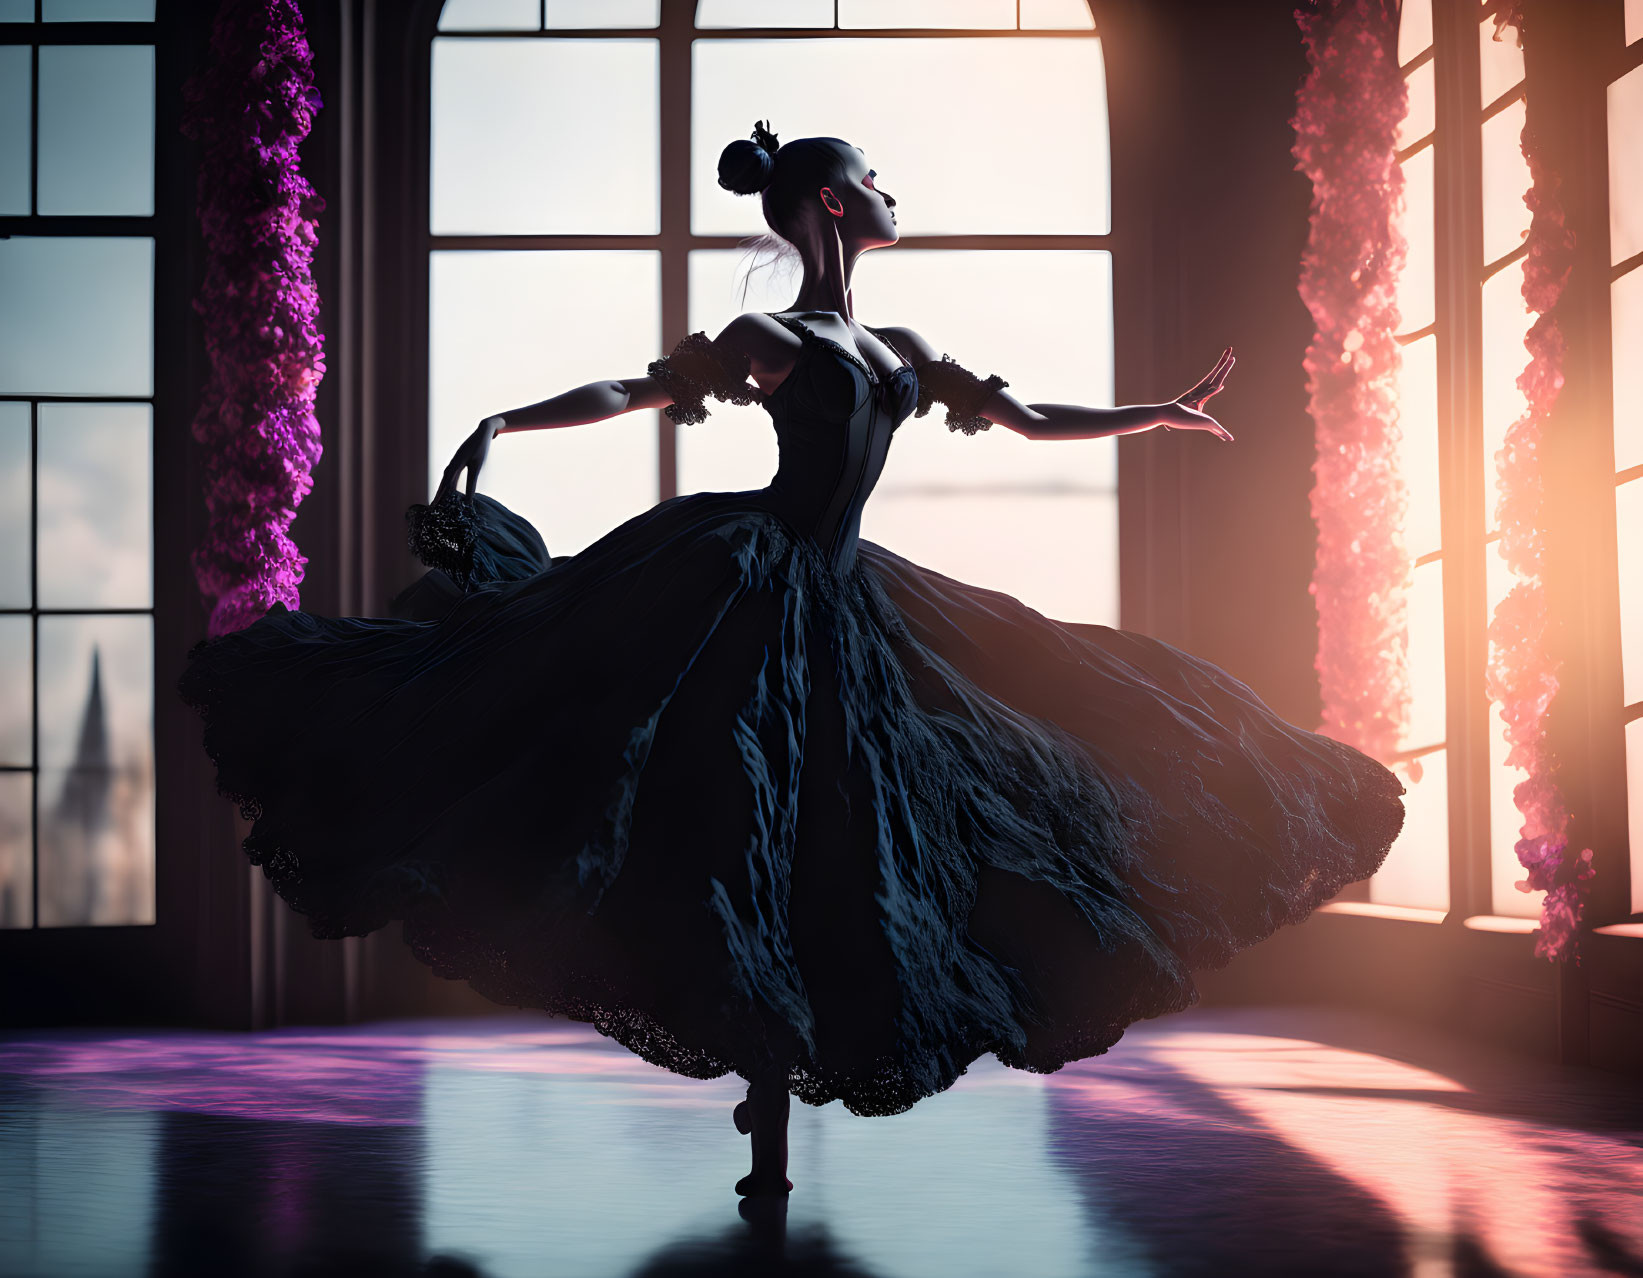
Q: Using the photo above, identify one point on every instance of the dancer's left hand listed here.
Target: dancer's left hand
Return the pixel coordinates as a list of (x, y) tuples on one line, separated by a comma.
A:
[(470, 456), (1186, 413)]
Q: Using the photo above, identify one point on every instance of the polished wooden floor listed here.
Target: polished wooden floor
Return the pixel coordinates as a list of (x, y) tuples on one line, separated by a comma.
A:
[(1234, 1142)]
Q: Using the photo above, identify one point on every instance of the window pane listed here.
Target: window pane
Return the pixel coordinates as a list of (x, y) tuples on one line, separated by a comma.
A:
[(97, 129), (491, 15), (96, 516), (1427, 717), (764, 13), (1626, 313), (735, 449), (1417, 286), (985, 508), (604, 13), (16, 849), (1418, 447), (1500, 62), (1626, 165), (98, 11), (1416, 870), (77, 315), (502, 335), (1628, 509), (544, 136), (1505, 821), (17, 690), (1634, 20), (1414, 29), (1634, 807), (1422, 117), (1052, 15), (15, 142), (922, 126), (1505, 323), (16, 10), (15, 511), (97, 775), (927, 13), (1505, 179)]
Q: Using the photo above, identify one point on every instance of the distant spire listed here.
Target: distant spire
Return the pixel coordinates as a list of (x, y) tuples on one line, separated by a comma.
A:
[(86, 788)]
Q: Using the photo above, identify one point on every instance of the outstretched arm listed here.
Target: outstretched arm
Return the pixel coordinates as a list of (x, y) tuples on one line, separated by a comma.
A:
[(678, 382), (1075, 421)]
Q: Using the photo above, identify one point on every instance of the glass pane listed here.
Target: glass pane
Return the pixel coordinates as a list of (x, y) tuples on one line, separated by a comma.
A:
[(1418, 447), (97, 774), (764, 13), (1626, 165), (1505, 821), (15, 506), (96, 515), (1422, 117), (1427, 715), (1634, 807), (1500, 62), (1416, 870), (16, 849), (1626, 315), (1414, 29), (604, 13), (1417, 286), (1505, 180), (98, 11), (1506, 321), (502, 337), (544, 137), (1628, 509), (97, 129), (16, 10), (735, 449), (967, 14), (1056, 15), (76, 315), (491, 15), (15, 142), (1634, 21), (921, 127), (17, 690)]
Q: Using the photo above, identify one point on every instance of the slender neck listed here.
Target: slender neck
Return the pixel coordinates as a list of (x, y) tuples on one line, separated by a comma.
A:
[(827, 270)]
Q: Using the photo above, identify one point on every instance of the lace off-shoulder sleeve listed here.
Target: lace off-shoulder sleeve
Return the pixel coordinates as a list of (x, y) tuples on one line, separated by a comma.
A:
[(961, 390), (697, 368)]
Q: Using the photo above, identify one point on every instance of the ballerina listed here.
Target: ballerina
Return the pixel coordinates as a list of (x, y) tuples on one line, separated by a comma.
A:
[(751, 794)]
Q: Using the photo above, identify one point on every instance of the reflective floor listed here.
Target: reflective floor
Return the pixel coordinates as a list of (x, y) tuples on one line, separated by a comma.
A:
[(1232, 1142)]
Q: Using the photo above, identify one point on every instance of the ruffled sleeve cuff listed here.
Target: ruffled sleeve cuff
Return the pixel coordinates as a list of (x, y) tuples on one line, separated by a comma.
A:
[(960, 390), (697, 369)]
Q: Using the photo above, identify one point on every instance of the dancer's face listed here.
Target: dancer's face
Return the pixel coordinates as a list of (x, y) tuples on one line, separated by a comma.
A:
[(868, 207)]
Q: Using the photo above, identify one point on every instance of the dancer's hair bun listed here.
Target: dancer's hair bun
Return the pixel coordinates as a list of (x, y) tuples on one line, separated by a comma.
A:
[(745, 167)]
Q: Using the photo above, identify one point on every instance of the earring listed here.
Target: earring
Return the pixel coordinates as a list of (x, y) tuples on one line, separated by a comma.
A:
[(832, 202)]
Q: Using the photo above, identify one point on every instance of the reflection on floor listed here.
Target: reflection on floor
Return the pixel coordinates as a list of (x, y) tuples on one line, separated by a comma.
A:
[(1271, 1142)]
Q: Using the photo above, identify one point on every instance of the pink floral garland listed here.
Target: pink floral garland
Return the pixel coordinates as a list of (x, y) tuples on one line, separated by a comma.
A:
[(1522, 672), (1347, 114), (249, 111)]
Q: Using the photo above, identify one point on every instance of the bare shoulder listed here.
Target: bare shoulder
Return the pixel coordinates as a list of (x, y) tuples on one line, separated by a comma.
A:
[(912, 346), (765, 342)]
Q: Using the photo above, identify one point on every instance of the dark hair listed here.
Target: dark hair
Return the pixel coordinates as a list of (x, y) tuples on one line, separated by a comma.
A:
[(785, 178)]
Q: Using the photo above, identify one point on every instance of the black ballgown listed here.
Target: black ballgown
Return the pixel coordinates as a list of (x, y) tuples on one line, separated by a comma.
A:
[(747, 792)]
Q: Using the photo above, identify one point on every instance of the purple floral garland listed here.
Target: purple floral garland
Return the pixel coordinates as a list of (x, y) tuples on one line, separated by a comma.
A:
[(1346, 119), (249, 111), (1522, 671)]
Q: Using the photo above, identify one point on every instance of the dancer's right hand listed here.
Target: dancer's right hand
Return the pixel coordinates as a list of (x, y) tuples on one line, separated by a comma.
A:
[(470, 456)]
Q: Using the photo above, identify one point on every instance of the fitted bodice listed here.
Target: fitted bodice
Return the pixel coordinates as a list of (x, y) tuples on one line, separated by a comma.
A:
[(833, 421)]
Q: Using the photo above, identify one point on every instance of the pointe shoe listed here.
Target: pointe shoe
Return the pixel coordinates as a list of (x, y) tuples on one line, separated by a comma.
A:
[(750, 1185), (742, 1116)]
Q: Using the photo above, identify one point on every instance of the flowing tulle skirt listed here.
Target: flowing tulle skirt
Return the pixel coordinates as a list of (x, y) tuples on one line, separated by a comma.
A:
[(740, 811)]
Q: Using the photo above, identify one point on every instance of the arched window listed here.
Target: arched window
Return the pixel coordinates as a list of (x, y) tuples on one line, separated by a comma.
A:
[(577, 231), (77, 393)]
